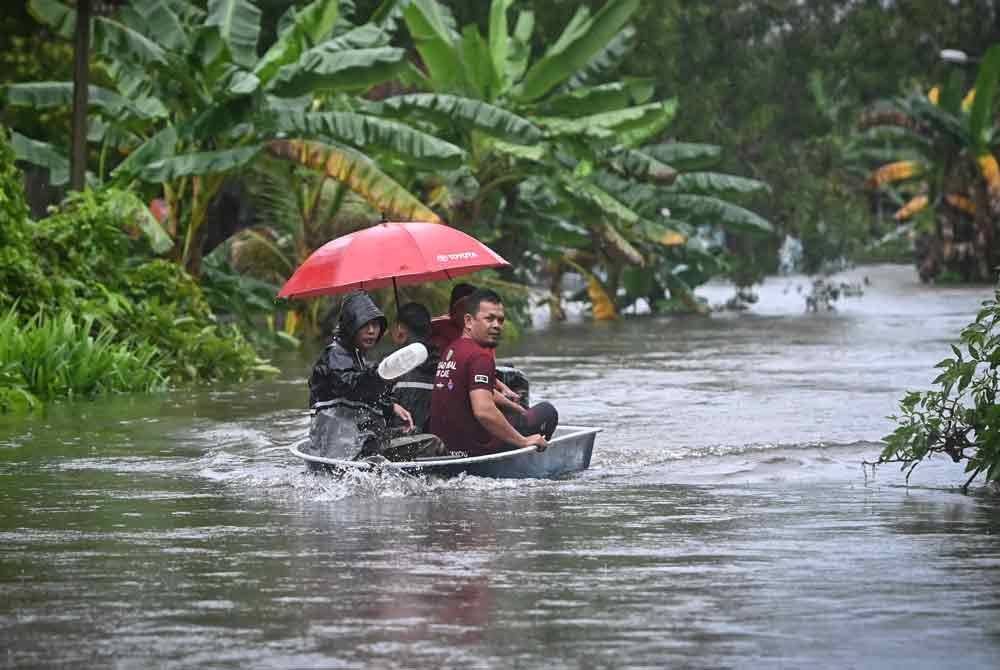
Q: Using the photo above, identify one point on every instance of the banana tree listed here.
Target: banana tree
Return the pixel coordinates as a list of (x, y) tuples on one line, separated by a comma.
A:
[(192, 102), (545, 138), (945, 165)]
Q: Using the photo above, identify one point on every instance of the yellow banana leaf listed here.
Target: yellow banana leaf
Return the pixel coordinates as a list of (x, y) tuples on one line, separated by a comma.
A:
[(360, 174)]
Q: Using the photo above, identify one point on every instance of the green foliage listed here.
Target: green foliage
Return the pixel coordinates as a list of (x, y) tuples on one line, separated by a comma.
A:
[(563, 153), (64, 356), (19, 274), (823, 209), (185, 96), (86, 310), (961, 417)]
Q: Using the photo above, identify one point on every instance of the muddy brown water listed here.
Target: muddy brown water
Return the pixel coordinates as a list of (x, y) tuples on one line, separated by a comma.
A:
[(725, 522)]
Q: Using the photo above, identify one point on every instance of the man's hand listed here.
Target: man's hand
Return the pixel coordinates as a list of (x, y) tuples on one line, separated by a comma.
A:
[(505, 403), (404, 416), (506, 391), (537, 441)]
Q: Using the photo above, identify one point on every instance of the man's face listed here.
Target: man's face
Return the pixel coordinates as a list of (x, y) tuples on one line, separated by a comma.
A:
[(487, 325), (367, 335)]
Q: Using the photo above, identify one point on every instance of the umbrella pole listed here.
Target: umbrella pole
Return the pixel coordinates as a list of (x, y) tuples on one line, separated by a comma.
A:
[(395, 292)]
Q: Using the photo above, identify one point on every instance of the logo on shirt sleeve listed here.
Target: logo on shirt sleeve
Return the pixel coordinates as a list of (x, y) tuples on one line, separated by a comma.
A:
[(481, 379)]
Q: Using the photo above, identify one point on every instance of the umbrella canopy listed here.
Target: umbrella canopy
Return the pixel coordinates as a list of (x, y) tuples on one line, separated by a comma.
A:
[(387, 253)]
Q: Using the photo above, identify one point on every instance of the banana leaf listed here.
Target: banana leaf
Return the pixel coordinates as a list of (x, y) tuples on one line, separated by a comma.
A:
[(714, 183), (450, 109), (931, 115), (535, 152), (369, 133), (125, 206), (238, 23), (499, 41), (161, 145), (618, 247), (359, 173), (198, 163), (433, 29), (519, 49), (477, 62), (117, 41), (43, 155), (986, 87), (580, 43), (596, 197), (593, 99), (625, 126), (640, 165), (663, 235), (159, 20), (685, 155), (356, 69), (606, 60), (309, 26), (702, 209), (46, 94), (57, 16)]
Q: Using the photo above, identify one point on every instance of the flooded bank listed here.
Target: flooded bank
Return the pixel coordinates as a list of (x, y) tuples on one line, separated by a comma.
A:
[(726, 520)]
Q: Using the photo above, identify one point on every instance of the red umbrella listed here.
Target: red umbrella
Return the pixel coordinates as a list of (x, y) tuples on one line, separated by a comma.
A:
[(387, 253)]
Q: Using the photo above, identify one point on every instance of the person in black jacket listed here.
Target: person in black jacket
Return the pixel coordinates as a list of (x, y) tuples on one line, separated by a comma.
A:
[(413, 390), (351, 405)]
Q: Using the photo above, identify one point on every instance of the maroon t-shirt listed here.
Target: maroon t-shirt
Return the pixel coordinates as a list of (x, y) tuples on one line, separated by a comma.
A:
[(465, 366)]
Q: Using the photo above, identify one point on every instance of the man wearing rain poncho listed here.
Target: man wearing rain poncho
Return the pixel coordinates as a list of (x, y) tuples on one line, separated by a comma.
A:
[(351, 403)]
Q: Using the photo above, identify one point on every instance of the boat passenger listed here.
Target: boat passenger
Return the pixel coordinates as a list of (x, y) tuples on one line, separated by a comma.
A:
[(463, 411), (413, 390), (350, 403), (448, 328)]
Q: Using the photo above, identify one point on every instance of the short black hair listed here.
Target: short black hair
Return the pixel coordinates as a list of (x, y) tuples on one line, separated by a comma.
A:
[(460, 291), (416, 317), (480, 295)]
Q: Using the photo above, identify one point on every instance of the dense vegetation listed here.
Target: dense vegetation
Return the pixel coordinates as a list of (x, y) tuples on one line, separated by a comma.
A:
[(86, 307), (599, 138)]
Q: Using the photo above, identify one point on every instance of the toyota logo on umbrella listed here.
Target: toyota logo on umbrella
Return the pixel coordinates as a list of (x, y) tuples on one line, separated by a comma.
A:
[(461, 256)]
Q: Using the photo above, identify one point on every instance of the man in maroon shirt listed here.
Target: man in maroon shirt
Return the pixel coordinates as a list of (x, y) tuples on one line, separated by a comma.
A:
[(463, 411), (448, 328)]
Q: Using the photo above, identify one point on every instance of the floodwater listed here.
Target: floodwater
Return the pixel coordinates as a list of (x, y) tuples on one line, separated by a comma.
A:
[(726, 520)]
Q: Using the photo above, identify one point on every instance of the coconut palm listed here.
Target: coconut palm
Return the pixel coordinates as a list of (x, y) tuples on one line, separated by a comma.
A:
[(191, 102)]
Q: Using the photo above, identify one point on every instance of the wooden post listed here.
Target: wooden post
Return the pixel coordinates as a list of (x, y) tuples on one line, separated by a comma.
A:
[(81, 83)]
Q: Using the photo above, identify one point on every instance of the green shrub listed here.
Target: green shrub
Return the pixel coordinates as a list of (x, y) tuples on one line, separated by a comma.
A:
[(53, 357), (961, 418), (20, 275), (88, 309)]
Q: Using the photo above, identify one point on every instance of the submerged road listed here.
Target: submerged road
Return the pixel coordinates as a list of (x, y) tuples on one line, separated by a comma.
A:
[(726, 520)]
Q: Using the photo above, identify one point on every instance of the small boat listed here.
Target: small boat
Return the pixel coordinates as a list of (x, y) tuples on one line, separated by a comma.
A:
[(569, 451)]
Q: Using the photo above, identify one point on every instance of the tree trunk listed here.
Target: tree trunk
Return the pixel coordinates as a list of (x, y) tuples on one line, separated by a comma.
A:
[(556, 311), (81, 82)]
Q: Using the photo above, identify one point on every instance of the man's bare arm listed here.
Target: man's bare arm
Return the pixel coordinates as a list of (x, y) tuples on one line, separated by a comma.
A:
[(493, 420), (503, 402)]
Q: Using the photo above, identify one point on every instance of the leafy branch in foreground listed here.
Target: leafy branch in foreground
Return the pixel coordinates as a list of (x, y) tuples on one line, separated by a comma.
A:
[(961, 418)]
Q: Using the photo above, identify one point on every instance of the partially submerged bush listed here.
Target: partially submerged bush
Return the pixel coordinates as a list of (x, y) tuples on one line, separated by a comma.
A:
[(87, 309), (66, 356), (961, 418)]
